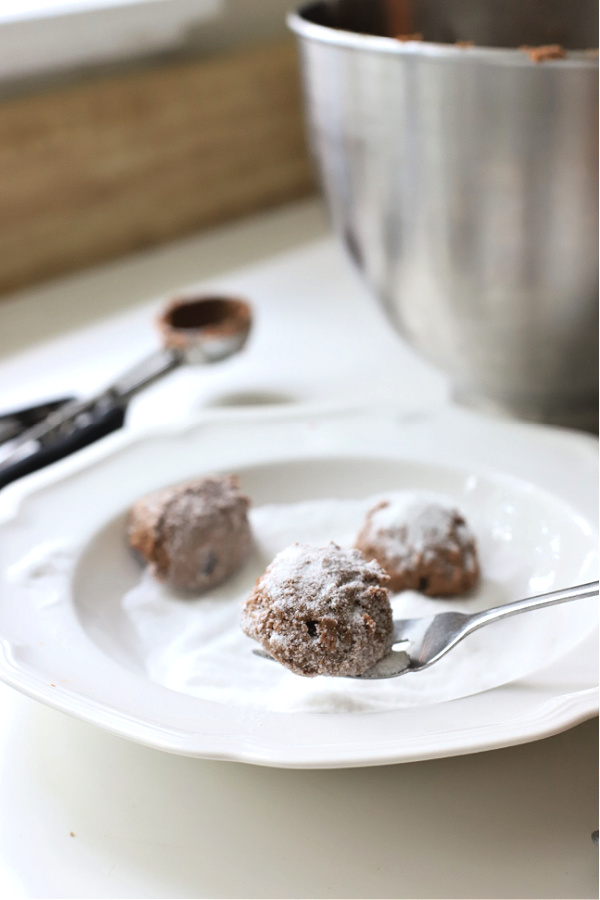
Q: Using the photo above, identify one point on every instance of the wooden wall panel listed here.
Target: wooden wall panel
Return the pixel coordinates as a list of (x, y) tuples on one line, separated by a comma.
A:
[(98, 169)]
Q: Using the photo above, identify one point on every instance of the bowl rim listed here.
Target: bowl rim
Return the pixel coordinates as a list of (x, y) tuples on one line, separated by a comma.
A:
[(513, 56)]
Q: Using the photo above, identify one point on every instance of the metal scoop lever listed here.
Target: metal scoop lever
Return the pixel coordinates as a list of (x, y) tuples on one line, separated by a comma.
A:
[(15, 422), (194, 332)]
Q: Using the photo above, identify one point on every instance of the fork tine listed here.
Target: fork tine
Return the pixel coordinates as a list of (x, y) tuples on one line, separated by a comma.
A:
[(393, 664), (404, 628)]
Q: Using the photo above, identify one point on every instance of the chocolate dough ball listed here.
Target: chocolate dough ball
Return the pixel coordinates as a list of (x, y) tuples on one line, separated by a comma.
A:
[(321, 611), (423, 545), (194, 535)]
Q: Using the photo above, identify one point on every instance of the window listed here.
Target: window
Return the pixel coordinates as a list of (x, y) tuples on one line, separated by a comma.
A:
[(38, 36)]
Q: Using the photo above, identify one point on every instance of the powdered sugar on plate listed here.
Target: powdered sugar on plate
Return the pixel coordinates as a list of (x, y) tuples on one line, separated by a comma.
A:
[(197, 646)]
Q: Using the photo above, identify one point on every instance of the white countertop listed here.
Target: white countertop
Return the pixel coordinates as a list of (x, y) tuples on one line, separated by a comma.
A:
[(84, 813)]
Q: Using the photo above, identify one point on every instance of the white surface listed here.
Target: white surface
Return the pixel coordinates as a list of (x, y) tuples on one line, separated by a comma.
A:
[(150, 824), (317, 335)]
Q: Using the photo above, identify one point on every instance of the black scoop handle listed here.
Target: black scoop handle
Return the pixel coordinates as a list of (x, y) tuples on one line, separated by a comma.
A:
[(101, 425)]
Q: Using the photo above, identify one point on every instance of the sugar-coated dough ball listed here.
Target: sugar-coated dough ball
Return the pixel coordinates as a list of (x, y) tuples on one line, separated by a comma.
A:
[(321, 611), (422, 543), (194, 535)]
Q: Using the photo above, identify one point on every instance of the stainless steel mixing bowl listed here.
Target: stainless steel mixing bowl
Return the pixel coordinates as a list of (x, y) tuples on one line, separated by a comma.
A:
[(463, 179)]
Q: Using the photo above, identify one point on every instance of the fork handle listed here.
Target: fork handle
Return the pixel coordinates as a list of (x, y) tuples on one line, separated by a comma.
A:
[(538, 602)]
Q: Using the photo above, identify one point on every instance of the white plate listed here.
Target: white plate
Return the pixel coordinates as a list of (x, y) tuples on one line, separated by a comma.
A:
[(65, 569)]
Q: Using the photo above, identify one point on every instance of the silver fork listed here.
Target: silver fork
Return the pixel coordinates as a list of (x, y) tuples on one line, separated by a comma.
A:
[(429, 638)]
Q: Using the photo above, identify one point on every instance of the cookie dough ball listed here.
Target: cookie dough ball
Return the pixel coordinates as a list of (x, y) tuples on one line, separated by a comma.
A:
[(321, 611), (194, 535), (422, 543)]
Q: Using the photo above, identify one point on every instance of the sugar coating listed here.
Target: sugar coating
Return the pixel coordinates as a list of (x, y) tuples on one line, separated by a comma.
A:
[(321, 611), (422, 543), (194, 535)]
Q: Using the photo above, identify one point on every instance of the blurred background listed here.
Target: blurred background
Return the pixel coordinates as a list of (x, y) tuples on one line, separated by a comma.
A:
[(462, 181), (129, 123)]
